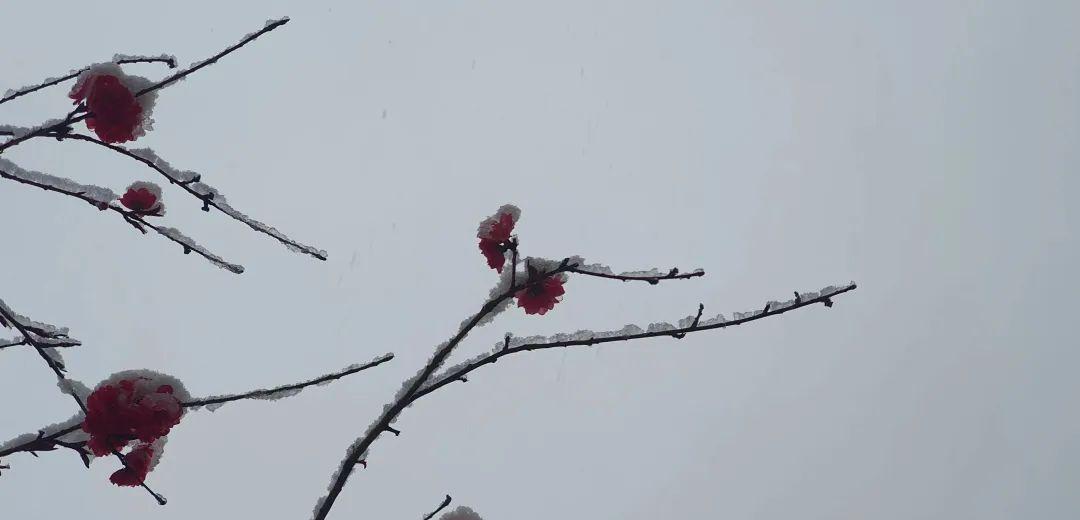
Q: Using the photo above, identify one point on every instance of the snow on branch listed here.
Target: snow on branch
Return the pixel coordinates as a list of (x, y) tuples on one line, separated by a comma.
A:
[(121, 59), (269, 26), (445, 502), (690, 324), (652, 276), (191, 182), (51, 358), (47, 438), (97, 196), (280, 392), (102, 198)]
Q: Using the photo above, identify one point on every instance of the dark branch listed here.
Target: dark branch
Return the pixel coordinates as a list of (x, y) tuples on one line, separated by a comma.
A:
[(26, 446), (673, 274), (213, 59), (133, 218), (445, 502), (297, 386), (19, 93), (208, 199), (460, 373), (355, 454), (59, 371)]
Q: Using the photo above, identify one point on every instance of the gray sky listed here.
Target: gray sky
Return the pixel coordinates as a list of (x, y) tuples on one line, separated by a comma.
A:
[(926, 150)]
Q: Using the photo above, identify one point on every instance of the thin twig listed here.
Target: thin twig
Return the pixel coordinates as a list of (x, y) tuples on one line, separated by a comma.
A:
[(355, 453), (41, 438), (296, 386), (208, 199), (55, 81), (445, 502), (182, 74), (72, 119), (460, 373), (133, 218), (673, 274), (59, 371)]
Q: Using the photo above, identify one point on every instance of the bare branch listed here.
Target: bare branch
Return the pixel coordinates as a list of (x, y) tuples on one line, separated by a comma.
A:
[(445, 502), (287, 389)]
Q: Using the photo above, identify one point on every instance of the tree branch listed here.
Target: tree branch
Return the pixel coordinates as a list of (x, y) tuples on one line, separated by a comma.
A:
[(59, 371), (459, 373), (209, 197), (445, 502), (171, 62), (131, 217), (264, 393), (652, 279), (270, 26)]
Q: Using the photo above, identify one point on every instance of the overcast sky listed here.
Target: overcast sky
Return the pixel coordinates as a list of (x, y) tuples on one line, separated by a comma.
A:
[(926, 150)]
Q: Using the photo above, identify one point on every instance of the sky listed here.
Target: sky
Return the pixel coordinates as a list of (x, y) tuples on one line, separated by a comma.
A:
[(926, 150)]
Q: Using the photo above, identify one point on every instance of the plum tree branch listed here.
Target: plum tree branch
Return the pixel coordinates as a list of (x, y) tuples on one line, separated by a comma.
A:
[(445, 502), (169, 61), (255, 394), (133, 218), (59, 371), (460, 373)]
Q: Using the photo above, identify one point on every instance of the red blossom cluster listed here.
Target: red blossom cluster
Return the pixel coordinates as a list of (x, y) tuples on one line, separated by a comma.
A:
[(541, 291), (144, 198), (115, 113), (130, 410)]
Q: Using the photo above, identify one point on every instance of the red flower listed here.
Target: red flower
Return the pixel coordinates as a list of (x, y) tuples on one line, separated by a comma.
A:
[(541, 294), (128, 410), (116, 116), (144, 198), (136, 466), (495, 238)]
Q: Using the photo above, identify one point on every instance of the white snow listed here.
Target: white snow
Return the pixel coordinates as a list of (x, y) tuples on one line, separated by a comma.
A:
[(100, 195), (484, 229), (147, 57), (159, 207), (461, 513), (173, 174), (75, 436), (190, 243)]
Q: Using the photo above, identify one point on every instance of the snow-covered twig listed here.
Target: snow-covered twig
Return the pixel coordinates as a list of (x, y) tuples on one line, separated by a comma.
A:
[(589, 338), (209, 196), (270, 26), (652, 276), (286, 390), (122, 59), (46, 354), (357, 451), (102, 198), (30, 441), (445, 502)]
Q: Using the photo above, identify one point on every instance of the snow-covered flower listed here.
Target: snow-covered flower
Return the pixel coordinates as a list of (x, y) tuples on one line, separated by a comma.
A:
[(541, 292), (129, 409), (144, 198), (495, 236), (461, 513), (116, 115), (137, 465)]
